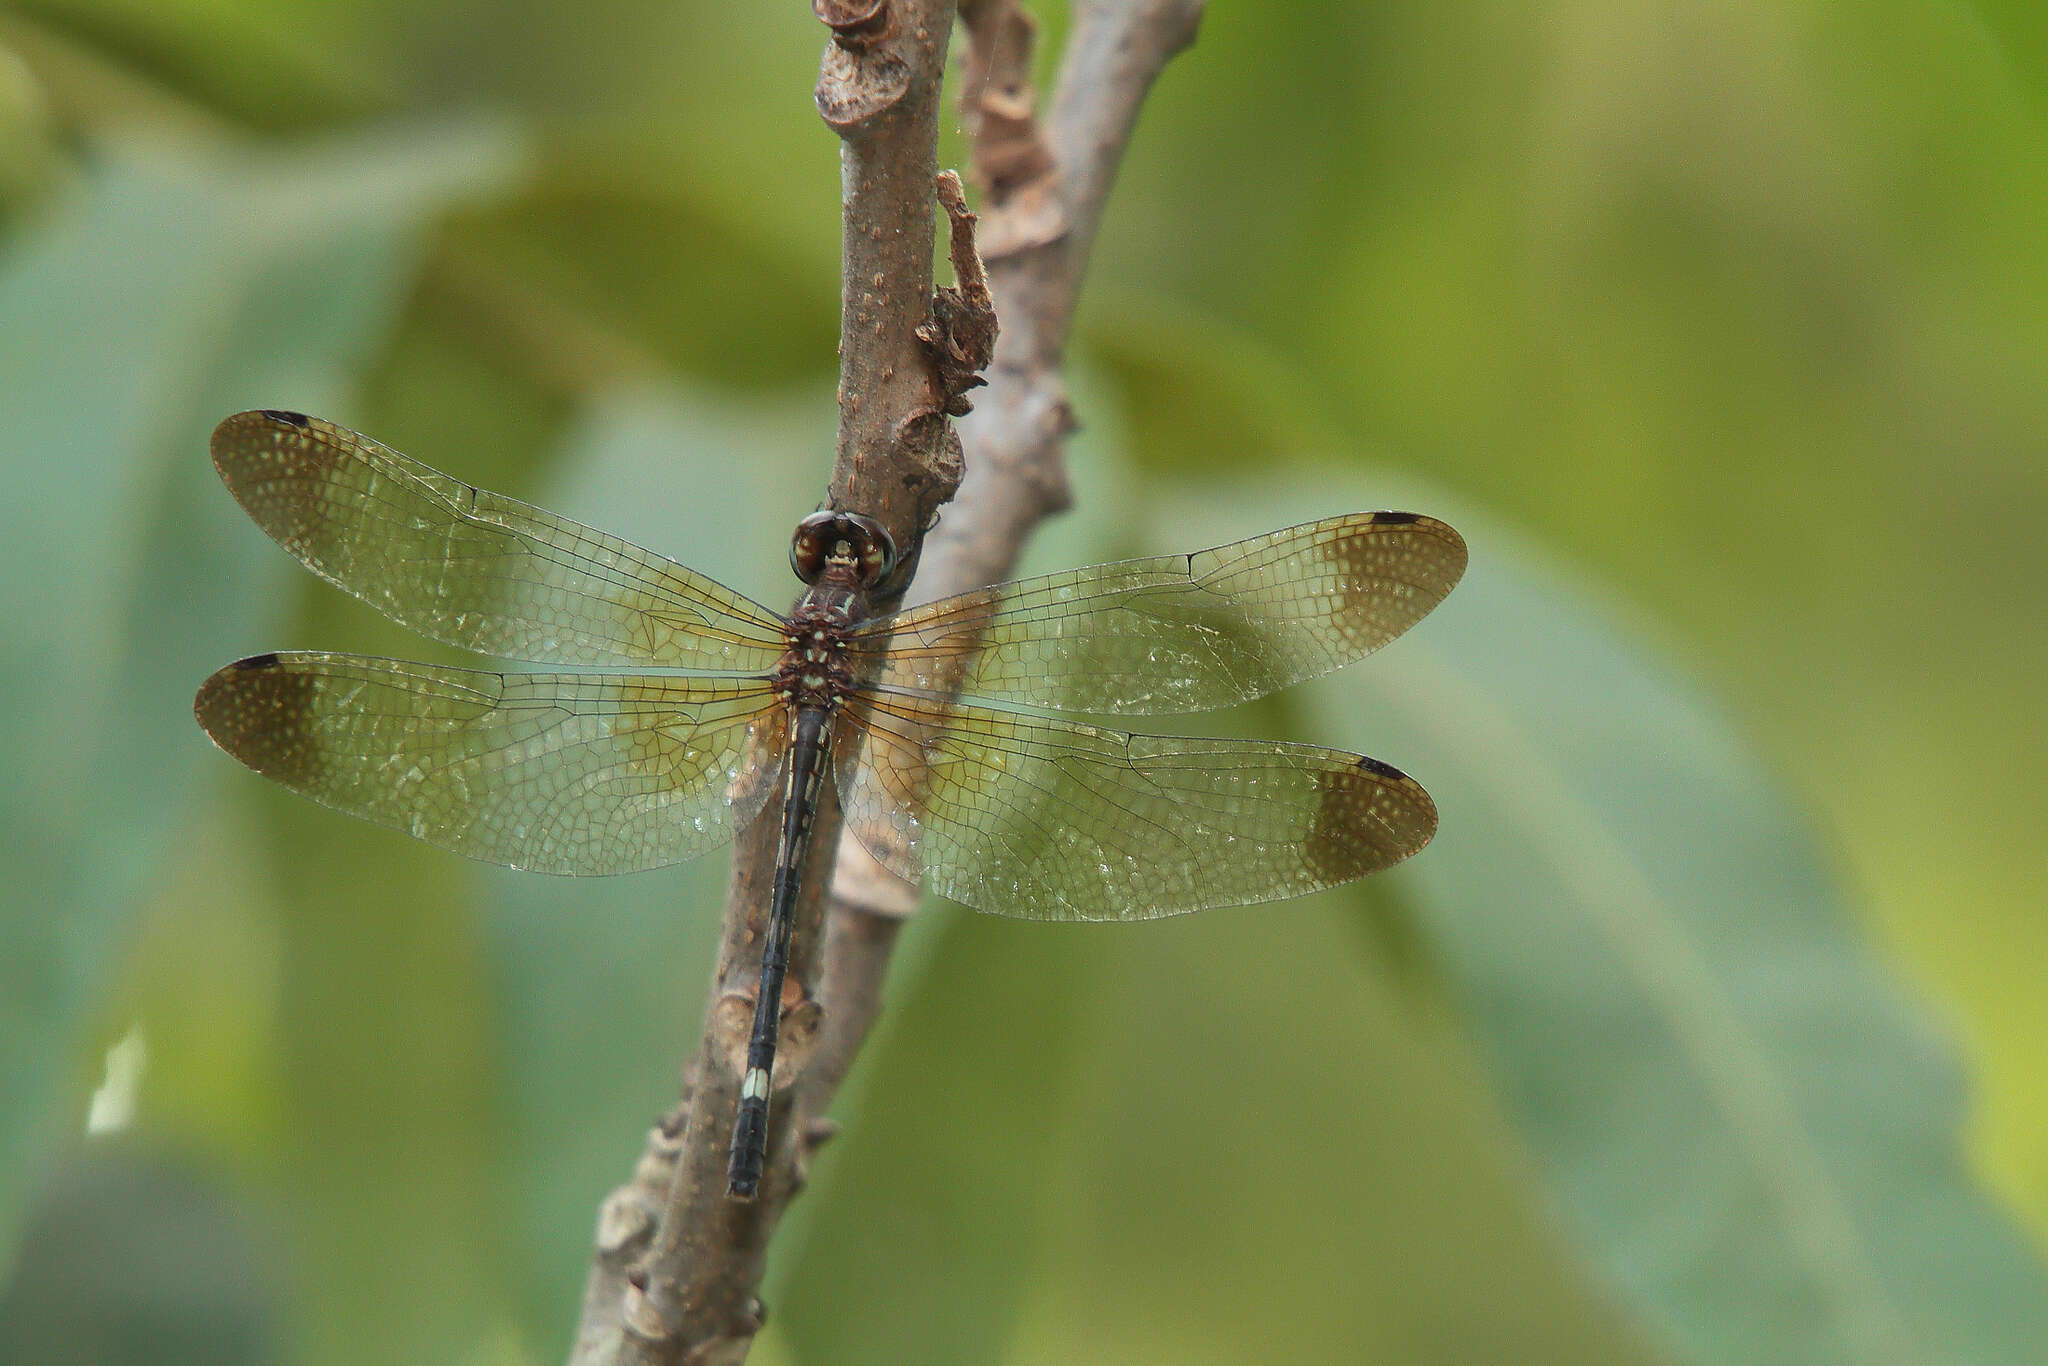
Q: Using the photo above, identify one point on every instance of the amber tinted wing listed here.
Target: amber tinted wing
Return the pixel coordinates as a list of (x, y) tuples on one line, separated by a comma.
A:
[(1047, 819), (1181, 633), (560, 773), (475, 569)]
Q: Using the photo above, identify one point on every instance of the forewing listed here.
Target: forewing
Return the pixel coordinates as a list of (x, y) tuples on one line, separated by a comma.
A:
[(476, 569), (1180, 633), (1047, 819), (559, 773)]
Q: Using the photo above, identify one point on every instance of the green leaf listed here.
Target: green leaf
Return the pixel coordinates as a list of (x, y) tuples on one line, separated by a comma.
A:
[(139, 1258), (1751, 1128), (179, 286), (2020, 31)]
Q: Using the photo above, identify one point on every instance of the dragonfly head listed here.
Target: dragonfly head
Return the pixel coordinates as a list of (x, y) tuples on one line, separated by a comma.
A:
[(856, 547)]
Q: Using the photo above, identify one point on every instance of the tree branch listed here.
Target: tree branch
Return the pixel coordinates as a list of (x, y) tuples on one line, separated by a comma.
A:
[(1043, 221), (677, 1263)]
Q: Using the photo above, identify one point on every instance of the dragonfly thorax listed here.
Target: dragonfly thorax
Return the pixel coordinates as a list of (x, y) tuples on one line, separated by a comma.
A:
[(815, 671)]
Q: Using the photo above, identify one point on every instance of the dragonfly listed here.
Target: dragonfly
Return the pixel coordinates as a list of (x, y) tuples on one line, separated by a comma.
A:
[(675, 712)]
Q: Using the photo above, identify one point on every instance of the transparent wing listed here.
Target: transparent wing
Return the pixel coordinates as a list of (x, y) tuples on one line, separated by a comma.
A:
[(1180, 633), (560, 773), (1047, 819), (475, 569)]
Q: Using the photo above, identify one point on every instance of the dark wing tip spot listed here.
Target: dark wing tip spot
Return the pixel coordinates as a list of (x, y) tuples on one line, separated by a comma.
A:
[(261, 711), (287, 417), (1366, 762), (220, 688), (1395, 518)]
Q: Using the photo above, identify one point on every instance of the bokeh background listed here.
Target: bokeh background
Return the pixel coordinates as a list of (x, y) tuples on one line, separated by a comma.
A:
[(1711, 1030)]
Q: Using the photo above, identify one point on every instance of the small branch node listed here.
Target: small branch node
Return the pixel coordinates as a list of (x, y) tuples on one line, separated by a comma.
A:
[(861, 74), (864, 884), (732, 1022), (731, 1347), (802, 1023), (856, 25), (1034, 216), (851, 91), (1051, 423), (657, 1164), (667, 1134), (721, 1352), (814, 1133), (625, 1224), (641, 1318)]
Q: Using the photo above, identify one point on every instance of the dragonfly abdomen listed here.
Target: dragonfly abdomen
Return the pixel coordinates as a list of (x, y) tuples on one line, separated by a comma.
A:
[(800, 808)]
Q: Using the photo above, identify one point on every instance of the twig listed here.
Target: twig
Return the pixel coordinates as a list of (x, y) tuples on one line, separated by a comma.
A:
[(677, 1261), (676, 1265), (878, 88), (1016, 435)]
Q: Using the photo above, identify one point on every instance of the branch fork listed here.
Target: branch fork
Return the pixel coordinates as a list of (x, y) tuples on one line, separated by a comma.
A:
[(676, 1264)]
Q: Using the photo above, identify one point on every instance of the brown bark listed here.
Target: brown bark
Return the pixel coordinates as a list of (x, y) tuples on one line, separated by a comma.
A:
[(677, 1264)]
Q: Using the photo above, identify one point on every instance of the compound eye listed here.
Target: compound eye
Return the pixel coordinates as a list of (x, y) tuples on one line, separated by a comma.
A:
[(877, 551), (811, 543)]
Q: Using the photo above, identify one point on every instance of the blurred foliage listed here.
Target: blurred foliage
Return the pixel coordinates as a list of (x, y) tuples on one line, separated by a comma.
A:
[(1737, 309)]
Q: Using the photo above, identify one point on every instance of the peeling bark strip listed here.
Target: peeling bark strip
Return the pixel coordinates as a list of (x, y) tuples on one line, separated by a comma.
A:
[(676, 1265), (961, 333)]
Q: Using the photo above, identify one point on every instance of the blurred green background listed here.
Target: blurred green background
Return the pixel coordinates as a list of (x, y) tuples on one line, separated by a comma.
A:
[(1712, 1028)]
